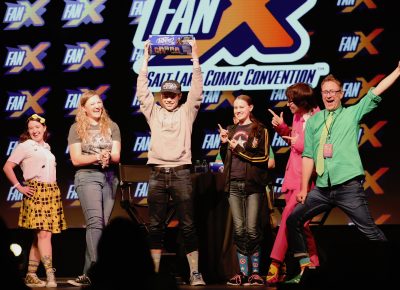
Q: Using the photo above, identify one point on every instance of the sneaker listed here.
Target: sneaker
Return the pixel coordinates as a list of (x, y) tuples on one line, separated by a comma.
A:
[(32, 280), (82, 280), (255, 279), (238, 280), (51, 278), (196, 279)]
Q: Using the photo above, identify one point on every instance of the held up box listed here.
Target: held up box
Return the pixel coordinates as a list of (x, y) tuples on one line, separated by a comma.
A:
[(170, 44)]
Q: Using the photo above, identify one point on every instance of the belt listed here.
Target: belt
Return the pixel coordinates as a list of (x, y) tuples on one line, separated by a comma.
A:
[(170, 169)]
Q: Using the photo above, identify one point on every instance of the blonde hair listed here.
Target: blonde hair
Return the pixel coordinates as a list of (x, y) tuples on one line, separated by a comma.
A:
[(82, 121)]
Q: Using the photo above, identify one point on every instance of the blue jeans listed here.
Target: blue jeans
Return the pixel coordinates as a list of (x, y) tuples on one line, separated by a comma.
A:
[(176, 184), (96, 191), (246, 214), (349, 197)]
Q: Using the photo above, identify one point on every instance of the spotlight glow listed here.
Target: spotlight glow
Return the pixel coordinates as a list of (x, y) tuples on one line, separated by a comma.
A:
[(16, 249)]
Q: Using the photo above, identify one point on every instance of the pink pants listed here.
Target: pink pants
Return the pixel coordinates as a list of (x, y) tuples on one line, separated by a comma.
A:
[(281, 245)]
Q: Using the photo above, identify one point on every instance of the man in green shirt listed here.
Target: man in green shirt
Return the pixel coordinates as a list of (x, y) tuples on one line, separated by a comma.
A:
[(331, 144)]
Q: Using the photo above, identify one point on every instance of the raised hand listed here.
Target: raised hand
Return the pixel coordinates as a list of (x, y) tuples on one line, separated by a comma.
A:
[(276, 120), (193, 44), (146, 53), (223, 134)]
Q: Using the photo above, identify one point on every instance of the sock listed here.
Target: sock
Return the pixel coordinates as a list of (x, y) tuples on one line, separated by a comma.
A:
[(47, 262), (32, 266), (156, 255), (304, 262), (255, 261), (193, 259), (243, 263)]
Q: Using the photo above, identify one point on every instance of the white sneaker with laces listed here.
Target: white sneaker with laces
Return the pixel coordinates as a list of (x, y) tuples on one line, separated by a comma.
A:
[(196, 279), (51, 278)]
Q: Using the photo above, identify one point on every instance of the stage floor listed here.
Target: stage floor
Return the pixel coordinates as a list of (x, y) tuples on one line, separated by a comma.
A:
[(347, 258)]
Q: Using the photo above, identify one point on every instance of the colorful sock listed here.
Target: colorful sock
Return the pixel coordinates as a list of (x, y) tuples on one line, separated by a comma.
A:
[(304, 262), (32, 266), (47, 262), (193, 259), (243, 263), (255, 261)]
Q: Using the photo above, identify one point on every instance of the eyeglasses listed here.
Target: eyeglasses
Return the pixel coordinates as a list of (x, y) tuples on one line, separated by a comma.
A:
[(330, 92), (36, 117)]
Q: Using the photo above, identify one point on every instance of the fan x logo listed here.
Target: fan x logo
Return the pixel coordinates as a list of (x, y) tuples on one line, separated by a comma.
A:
[(24, 58), (73, 97), (26, 103), (232, 31), (351, 5), (354, 91), (353, 44), (24, 13), (82, 11), (82, 55)]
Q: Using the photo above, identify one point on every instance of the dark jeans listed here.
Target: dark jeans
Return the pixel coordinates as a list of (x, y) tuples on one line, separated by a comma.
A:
[(246, 210), (176, 184), (349, 197)]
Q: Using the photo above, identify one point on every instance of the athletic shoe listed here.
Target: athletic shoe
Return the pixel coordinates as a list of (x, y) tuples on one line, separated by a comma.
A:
[(255, 279), (196, 279), (238, 280), (32, 280), (81, 281)]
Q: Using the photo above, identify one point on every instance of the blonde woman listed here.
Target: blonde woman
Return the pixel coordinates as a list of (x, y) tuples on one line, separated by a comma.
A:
[(94, 142), (41, 208)]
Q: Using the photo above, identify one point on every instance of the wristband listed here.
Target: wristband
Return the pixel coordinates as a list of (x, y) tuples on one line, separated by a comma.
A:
[(194, 59), (16, 185)]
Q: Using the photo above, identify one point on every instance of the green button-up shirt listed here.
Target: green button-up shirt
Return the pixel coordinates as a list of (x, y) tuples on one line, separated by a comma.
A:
[(345, 163)]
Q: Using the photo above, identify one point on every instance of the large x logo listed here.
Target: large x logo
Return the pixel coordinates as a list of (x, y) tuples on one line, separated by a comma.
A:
[(31, 57), (30, 13), (267, 29), (32, 102), (365, 42), (369, 134), (371, 180), (90, 55), (89, 12)]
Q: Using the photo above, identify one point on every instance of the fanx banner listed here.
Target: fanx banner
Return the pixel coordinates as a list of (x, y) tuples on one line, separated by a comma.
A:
[(240, 43)]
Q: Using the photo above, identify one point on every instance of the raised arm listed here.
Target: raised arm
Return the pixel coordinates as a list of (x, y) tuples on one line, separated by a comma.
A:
[(387, 81)]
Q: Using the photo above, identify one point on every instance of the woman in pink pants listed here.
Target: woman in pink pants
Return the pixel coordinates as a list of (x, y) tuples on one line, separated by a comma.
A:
[(303, 105)]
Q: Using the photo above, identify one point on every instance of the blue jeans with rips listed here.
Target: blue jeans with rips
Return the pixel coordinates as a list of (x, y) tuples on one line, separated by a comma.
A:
[(96, 191), (349, 197), (176, 184), (246, 214)]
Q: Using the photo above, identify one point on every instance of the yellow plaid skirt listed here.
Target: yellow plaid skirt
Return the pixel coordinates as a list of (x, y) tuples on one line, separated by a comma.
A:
[(43, 211)]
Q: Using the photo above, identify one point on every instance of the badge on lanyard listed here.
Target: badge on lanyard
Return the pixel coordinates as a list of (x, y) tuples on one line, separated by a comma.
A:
[(328, 150)]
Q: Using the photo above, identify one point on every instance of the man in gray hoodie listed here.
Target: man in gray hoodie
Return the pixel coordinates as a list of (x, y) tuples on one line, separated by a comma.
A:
[(170, 158)]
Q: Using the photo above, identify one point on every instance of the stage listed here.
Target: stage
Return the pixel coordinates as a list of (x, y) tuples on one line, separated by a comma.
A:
[(346, 259)]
